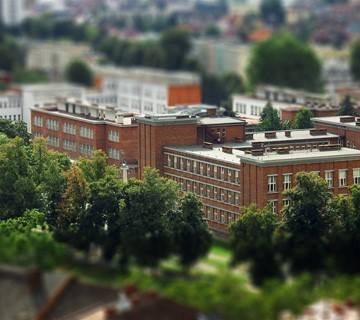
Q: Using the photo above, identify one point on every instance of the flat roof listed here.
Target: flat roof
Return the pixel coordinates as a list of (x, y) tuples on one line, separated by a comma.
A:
[(206, 121), (271, 158), (335, 121), (301, 134)]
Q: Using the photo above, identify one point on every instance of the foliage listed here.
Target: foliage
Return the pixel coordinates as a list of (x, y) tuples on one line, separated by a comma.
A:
[(270, 64), (306, 224), (252, 241), (347, 107), (26, 241), (303, 119), (212, 31), (79, 72), (28, 76), (355, 59), (191, 233), (15, 129), (269, 119), (273, 12)]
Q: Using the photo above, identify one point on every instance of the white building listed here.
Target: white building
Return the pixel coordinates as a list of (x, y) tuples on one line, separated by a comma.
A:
[(41, 94), (10, 106), (144, 90), (12, 12)]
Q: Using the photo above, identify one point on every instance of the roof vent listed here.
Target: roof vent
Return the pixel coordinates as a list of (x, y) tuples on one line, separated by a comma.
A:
[(329, 147), (288, 133), (317, 132), (347, 119), (227, 150), (257, 152), (249, 136), (207, 145), (283, 150), (270, 134)]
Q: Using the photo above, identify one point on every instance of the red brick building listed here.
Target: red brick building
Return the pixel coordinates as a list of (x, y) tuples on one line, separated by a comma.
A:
[(347, 127), (79, 128)]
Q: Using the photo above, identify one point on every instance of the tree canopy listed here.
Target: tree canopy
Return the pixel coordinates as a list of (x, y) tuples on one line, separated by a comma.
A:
[(303, 119), (77, 71), (346, 107), (273, 12), (284, 61), (269, 119), (355, 59)]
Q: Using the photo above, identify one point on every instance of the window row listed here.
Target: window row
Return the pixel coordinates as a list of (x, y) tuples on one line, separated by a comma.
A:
[(220, 216), (38, 121), (52, 124), (69, 128), (343, 179), (69, 145), (114, 153), (113, 135), (86, 132), (207, 191), (86, 149), (14, 117), (52, 141), (209, 170)]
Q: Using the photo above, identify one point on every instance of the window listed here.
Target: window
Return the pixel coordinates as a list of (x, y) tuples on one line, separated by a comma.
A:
[(113, 136), (201, 169), (222, 216), (201, 189), (187, 165), (236, 199), (215, 172), (114, 153), (208, 170), (188, 186), (222, 195), (175, 162), (273, 205), (195, 187), (229, 196), (215, 215), (52, 124), (38, 121), (208, 213), (272, 183), (287, 181), (329, 178), (208, 191), (356, 175), (86, 149), (37, 134), (169, 160), (69, 128), (181, 184), (229, 175), (222, 173), (195, 167), (215, 193), (86, 132), (342, 178), (286, 202), (53, 141), (229, 218), (182, 164), (69, 145), (236, 176)]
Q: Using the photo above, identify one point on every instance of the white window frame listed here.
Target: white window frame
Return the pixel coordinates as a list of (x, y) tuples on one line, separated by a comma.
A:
[(329, 178), (272, 183), (342, 178), (356, 176), (287, 183)]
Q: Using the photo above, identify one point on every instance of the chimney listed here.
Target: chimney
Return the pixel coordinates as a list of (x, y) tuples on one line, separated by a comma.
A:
[(270, 134), (347, 119), (227, 150), (257, 152), (249, 136), (207, 145), (288, 133), (317, 132)]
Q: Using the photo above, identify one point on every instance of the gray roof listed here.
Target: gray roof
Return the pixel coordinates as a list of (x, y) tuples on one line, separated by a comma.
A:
[(220, 121), (335, 121)]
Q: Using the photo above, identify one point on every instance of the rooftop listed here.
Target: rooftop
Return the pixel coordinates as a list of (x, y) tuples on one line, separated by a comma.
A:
[(208, 121), (342, 121)]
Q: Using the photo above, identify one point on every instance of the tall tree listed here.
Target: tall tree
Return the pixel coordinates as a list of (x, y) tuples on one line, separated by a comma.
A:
[(273, 12), (307, 224), (355, 59), (77, 71), (252, 241), (303, 119), (270, 64), (269, 119), (191, 233), (346, 107)]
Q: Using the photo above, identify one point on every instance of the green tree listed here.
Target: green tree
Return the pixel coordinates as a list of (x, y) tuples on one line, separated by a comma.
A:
[(77, 71), (307, 224), (303, 119), (269, 119), (270, 63), (191, 234), (146, 234), (17, 189), (213, 90), (26, 241), (273, 12), (176, 45), (355, 59), (252, 241), (346, 107), (212, 30)]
